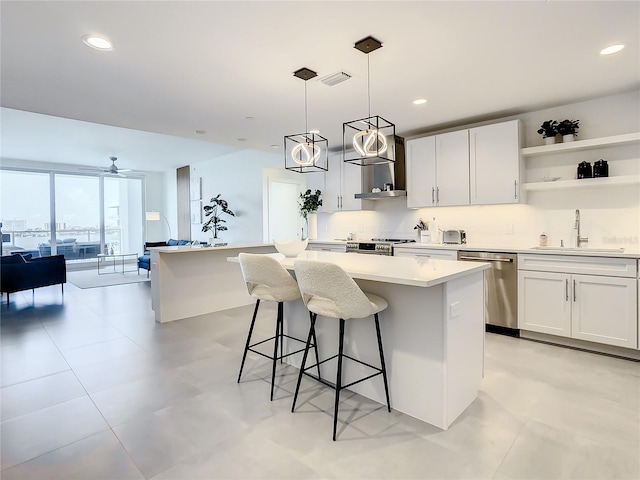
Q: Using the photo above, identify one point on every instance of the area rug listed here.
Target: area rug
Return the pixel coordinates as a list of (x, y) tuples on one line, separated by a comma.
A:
[(91, 279)]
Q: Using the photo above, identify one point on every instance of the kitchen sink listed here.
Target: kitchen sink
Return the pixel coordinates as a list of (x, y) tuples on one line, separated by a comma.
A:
[(581, 249)]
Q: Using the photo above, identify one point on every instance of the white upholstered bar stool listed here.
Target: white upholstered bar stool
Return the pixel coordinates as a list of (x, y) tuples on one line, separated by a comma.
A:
[(268, 280), (329, 291)]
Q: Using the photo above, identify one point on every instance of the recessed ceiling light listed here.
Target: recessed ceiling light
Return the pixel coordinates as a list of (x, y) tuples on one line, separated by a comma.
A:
[(275, 146), (99, 43), (611, 49), (201, 132), (249, 118), (420, 101), (314, 130), (242, 139)]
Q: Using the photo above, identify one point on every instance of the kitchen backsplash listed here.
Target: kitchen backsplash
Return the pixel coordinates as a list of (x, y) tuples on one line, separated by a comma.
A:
[(609, 218)]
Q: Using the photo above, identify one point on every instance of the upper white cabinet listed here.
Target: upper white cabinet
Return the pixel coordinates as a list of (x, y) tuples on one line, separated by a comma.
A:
[(438, 170), (341, 182), (495, 165)]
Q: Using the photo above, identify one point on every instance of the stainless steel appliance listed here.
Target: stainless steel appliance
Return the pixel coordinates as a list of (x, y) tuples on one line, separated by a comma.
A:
[(377, 246), (454, 237), (500, 291), (386, 180)]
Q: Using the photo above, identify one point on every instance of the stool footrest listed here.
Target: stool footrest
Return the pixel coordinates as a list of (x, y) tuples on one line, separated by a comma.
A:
[(332, 385)]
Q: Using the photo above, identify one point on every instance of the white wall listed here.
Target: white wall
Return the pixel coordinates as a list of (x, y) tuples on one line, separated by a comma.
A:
[(238, 177), (610, 216), (157, 199)]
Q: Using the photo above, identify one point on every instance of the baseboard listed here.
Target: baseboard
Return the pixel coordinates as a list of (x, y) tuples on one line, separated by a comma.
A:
[(613, 351)]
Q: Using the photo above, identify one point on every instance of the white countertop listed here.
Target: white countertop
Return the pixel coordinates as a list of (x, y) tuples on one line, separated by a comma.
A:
[(189, 249), (419, 272), (629, 252)]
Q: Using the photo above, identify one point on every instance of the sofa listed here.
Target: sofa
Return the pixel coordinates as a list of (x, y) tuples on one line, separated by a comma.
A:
[(23, 272), (144, 260), (71, 249)]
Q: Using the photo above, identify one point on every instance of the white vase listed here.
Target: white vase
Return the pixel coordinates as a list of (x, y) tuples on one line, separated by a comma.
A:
[(312, 223), (568, 138), (216, 241), (549, 140)]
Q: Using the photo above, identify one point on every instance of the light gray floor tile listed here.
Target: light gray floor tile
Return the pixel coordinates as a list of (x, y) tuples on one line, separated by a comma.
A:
[(545, 452), (42, 392), (100, 352), (67, 337), (17, 369), (124, 402), (42, 431), (98, 457)]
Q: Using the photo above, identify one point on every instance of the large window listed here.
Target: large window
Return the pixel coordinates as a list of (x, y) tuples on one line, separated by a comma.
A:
[(78, 216), (24, 211)]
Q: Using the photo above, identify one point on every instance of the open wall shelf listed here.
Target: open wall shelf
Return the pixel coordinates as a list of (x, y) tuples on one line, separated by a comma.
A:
[(584, 183), (581, 145)]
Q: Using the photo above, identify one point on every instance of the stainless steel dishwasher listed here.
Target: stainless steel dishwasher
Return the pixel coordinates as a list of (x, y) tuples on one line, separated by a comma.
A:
[(501, 289)]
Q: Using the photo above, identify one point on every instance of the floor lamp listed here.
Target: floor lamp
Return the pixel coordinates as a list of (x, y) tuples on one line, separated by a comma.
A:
[(154, 216)]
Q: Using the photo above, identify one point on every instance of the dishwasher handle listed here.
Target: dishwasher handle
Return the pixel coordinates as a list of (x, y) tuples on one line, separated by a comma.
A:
[(479, 259)]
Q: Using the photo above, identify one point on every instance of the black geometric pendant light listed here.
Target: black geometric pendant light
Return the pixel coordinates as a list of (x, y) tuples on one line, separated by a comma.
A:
[(371, 140), (306, 152)]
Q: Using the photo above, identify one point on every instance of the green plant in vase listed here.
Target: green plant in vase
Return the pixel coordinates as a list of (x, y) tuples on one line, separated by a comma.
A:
[(568, 129), (213, 212), (309, 203)]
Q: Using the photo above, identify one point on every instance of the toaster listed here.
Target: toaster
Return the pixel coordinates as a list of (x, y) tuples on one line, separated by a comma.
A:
[(454, 237)]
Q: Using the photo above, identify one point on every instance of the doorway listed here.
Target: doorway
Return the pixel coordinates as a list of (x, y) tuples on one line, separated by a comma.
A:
[(281, 193)]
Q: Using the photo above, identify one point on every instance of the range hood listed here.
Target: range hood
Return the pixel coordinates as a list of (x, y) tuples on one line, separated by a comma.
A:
[(377, 176)]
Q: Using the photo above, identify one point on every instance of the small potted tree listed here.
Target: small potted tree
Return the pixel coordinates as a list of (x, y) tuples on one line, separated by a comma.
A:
[(549, 130), (215, 223), (568, 129), (309, 204)]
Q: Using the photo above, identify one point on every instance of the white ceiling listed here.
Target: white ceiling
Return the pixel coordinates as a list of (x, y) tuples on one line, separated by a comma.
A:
[(181, 66)]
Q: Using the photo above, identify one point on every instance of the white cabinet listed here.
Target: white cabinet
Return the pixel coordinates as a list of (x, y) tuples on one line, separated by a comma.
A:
[(341, 182), (417, 252), (571, 301), (438, 170), (495, 164)]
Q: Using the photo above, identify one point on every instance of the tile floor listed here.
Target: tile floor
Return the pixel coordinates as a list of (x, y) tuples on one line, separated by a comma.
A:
[(93, 388)]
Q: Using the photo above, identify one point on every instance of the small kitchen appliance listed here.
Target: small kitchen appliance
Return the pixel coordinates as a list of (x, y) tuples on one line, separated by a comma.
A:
[(457, 237), (584, 170), (600, 169)]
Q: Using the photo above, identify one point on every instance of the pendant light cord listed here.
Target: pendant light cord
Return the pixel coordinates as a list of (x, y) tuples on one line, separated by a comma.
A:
[(306, 125)]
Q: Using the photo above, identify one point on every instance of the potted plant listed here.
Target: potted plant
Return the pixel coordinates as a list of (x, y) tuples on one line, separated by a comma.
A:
[(214, 211), (568, 129), (549, 130), (309, 204)]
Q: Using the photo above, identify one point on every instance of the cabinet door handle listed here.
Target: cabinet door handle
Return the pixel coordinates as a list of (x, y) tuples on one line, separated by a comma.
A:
[(337, 201), (574, 290), (438, 195), (515, 189), (566, 289), (433, 195)]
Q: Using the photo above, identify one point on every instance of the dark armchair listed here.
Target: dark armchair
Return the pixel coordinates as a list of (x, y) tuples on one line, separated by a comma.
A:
[(21, 272)]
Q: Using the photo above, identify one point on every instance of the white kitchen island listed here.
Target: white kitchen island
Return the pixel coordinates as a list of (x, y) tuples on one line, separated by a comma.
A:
[(186, 282), (432, 332)]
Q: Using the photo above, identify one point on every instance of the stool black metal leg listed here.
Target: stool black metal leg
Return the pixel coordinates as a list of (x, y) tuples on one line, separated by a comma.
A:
[(246, 347), (338, 379), (315, 347), (383, 368), (281, 315), (313, 317), (275, 347)]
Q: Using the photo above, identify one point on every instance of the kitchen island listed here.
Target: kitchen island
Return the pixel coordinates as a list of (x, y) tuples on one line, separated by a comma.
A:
[(432, 331), (186, 281)]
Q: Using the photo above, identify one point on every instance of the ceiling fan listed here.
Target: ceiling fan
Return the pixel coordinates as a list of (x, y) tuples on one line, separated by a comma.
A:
[(111, 169)]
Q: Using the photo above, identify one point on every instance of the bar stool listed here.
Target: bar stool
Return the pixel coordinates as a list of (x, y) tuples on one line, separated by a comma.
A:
[(268, 280), (329, 291)]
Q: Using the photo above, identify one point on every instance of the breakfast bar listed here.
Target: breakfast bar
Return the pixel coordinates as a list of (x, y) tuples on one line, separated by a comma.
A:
[(432, 331)]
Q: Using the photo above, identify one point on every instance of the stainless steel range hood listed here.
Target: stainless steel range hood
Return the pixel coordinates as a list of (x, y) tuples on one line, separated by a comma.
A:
[(377, 176)]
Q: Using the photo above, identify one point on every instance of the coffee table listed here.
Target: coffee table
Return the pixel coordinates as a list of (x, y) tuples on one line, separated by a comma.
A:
[(118, 261)]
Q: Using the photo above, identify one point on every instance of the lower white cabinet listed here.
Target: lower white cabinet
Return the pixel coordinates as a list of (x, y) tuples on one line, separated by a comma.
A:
[(425, 252), (596, 308)]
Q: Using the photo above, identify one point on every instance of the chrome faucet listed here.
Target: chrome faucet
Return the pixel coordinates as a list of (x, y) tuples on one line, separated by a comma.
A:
[(579, 239)]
